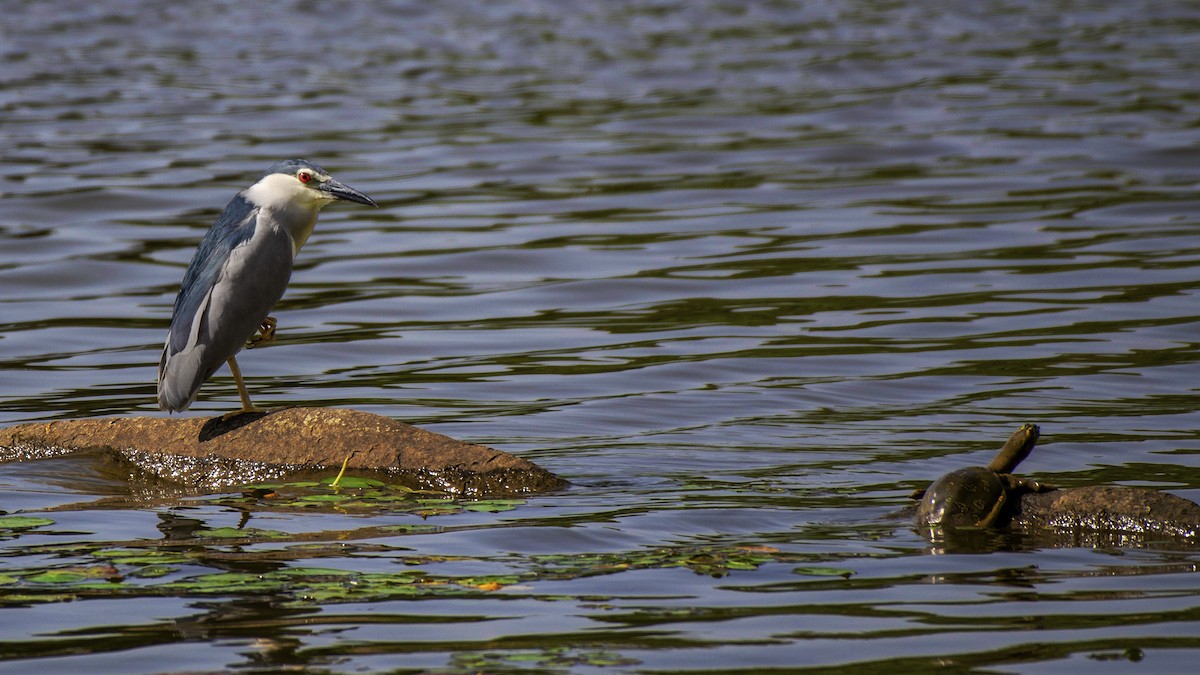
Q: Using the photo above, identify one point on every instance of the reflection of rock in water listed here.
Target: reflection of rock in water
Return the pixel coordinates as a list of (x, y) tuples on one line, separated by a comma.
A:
[(249, 447)]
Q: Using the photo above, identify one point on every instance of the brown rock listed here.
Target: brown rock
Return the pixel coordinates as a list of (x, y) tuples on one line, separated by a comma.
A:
[(1111, 508), (248, 447)]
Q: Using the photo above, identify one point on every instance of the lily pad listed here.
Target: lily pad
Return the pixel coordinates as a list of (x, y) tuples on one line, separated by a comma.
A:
[(127, 556), (824, 572), (23, 522), (70, 575), (153, 571), (315, 572), (331, 498), (353, 482), (493, 505)]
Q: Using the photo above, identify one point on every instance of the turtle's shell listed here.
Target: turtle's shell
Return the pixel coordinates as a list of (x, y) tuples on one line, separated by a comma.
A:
[(974, 496)]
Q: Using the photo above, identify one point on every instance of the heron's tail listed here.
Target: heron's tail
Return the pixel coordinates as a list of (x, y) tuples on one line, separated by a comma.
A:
[(179, 378)]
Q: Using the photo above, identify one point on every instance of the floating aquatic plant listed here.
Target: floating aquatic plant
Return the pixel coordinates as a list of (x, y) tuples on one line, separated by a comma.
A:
[(255, 561)]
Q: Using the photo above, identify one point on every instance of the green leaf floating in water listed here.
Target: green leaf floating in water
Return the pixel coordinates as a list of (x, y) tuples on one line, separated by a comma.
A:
[(294, 578), (71, 575), (224, 583), (56, 577), (153, 571), (131, 556), (23, 522), (314, 572), (353, 482), (492, 505), (824, 572), (331, 498)]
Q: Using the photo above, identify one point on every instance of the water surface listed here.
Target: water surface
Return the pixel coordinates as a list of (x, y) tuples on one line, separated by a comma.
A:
[(744, 274)]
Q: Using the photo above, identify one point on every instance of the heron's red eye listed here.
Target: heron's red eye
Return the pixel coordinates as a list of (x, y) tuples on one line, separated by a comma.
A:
[(304, 176)]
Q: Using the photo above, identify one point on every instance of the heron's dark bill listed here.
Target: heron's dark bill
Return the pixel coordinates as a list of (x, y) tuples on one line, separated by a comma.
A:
[(347, 193)]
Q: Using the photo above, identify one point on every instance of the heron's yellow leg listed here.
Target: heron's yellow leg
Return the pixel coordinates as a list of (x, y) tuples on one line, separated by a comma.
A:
[(237, 377)]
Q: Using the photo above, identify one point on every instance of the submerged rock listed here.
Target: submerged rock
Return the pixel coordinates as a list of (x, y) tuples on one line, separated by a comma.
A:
[(253, 446)]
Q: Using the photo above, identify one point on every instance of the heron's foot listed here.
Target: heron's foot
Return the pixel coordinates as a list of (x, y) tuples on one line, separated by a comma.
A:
[(242, 411), (266, 333)]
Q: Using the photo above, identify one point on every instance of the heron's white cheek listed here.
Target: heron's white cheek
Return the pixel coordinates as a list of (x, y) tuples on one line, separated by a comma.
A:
[(275, 190)]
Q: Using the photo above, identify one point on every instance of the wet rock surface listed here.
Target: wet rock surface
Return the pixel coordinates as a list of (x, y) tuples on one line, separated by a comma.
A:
[(247, 447), (1110, 508)]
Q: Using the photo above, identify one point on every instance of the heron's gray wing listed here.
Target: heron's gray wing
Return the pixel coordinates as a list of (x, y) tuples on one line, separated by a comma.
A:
[(232, 228), (187, 358)]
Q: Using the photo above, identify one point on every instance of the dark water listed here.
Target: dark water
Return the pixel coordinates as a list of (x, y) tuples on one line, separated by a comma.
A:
[(745, 273)]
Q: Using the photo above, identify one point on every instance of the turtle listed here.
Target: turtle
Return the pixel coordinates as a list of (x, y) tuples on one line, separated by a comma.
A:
[(978, 496)]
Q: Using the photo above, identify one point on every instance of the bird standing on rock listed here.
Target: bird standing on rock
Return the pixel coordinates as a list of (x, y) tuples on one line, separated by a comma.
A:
[(238, 274)]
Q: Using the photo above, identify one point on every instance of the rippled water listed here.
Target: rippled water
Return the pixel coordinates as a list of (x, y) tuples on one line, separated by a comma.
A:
[(745, 273)]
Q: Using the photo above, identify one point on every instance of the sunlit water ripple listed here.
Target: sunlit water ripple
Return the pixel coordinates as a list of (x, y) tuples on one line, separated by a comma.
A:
[(746, 275)]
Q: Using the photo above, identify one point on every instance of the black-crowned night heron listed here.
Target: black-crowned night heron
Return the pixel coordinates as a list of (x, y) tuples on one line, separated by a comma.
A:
[(239, 273)]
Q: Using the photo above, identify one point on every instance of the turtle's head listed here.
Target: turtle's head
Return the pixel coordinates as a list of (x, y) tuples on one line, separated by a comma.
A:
[(1018, 447)]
